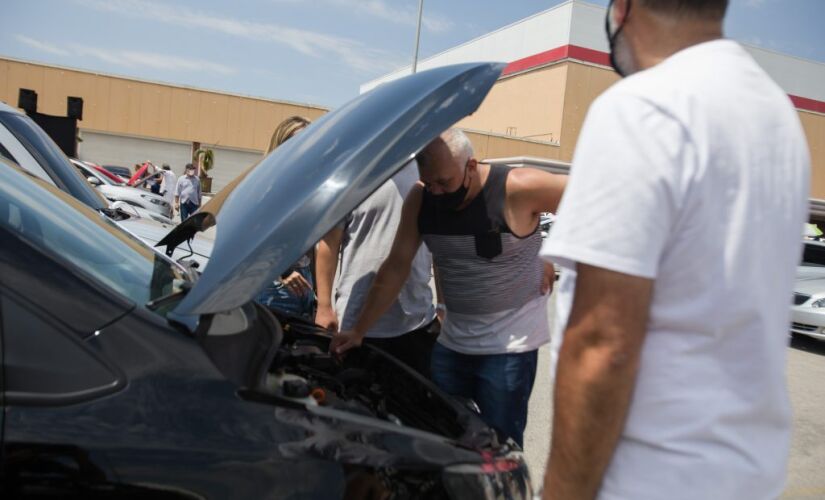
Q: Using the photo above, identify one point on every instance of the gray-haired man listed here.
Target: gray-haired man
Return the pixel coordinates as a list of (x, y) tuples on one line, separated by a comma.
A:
[(480, 223)]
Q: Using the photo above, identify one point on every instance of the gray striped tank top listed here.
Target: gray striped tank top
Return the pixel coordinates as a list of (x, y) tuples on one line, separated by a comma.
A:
[(483, 267)]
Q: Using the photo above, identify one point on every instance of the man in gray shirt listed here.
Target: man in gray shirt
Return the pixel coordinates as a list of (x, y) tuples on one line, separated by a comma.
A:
[(188, 193), (363, 241)]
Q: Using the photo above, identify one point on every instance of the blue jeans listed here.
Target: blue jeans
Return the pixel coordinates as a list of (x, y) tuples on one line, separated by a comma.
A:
[(500, 384), (187, 208), (277, 296)]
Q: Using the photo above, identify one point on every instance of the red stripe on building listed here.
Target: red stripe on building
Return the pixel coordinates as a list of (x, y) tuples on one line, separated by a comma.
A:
[(808, 104), (540, 59), (589, 55), (555, 55), (603, 59)]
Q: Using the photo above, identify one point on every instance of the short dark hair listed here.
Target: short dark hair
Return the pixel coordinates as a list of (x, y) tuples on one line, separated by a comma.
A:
[(189, 166), (705, 9)]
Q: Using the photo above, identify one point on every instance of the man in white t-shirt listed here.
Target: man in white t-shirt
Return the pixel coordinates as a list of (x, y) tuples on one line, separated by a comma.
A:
[(363, 240), (678, 233)]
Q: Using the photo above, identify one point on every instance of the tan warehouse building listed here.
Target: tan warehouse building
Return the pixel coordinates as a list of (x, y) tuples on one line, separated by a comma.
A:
[(126, 120), (558, 64)]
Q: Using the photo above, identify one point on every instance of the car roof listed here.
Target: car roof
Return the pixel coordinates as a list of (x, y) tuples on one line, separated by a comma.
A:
[(8, 109)]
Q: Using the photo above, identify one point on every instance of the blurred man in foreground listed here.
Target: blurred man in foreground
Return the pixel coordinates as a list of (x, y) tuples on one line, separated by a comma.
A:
[(679, 233)]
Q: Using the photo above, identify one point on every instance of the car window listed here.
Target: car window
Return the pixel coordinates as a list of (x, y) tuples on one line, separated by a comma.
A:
[(59, 225), (90, 172), (5, 154), (16, 152), (46, 160), (813, 255)]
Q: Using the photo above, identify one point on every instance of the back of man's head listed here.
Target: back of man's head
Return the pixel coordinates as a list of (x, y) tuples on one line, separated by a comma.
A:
[(696, 9)]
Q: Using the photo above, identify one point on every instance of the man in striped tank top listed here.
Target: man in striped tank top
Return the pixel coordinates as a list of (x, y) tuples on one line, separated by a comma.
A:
[(480, 223)]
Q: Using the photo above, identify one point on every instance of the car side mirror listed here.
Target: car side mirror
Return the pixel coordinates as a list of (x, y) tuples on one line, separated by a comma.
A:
[(94, 181)]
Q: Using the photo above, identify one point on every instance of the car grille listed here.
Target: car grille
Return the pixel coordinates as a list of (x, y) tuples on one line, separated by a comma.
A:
[(803, 327), (800, 298)]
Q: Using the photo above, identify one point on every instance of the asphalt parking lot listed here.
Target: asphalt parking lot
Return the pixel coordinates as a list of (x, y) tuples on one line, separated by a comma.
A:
[(806, 382)]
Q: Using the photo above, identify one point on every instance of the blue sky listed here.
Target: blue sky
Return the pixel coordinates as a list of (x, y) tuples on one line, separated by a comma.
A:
[(315, 51)]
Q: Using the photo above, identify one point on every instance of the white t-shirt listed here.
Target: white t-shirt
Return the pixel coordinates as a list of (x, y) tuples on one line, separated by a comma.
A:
[(369, 231), (695, 174)]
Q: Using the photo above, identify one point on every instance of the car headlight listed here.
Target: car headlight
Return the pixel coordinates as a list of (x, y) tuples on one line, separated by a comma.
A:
[(503, 477), (818, 303)]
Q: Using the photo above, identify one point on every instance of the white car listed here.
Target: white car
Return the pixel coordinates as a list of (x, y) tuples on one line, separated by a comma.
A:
[(25, 144), (137, 197), (808, 309)]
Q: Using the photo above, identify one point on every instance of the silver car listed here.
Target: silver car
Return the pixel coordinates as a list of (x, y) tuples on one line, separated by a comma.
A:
[(808, 309), (151, 202)]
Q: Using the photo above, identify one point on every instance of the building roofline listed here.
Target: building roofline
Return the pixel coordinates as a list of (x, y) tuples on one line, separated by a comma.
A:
[(512, 137), (480, 37), (165, 84)]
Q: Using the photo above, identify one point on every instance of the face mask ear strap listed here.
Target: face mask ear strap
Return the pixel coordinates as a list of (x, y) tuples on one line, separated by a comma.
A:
[(611, 37)]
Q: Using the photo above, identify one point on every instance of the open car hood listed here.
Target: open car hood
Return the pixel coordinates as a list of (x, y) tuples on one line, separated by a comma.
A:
[(278, 209)]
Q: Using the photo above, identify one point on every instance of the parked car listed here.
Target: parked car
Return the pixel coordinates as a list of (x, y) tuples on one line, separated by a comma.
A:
[(112, 177), (808, 309), (546, 220), (24, 143), (120, 192), (122, 172), (128, 375)]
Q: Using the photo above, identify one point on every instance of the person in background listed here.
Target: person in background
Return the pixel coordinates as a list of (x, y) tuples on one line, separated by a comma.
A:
[(188, 193), (294, 292), (678, 240), (154, 183), (363, 241), (481, 223), (168, 184)]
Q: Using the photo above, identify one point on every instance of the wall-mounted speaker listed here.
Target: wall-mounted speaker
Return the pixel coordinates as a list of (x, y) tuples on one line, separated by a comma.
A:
[(27, 100), (74, 107)]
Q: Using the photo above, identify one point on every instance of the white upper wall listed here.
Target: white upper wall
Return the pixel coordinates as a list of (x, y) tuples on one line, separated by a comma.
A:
[(587, 27), (537, 33), (582, 24), (799, 77)]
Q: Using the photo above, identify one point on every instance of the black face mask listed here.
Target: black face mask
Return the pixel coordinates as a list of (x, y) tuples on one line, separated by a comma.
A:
[(451, 201), (611, 38)]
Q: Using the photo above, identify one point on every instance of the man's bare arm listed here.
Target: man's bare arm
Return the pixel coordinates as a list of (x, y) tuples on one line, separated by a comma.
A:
[(390, 277), (534, 190), (595, 377), (326, 262)]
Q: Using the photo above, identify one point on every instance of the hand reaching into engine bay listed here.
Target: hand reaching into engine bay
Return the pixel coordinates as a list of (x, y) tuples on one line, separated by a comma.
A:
[(344, 341)]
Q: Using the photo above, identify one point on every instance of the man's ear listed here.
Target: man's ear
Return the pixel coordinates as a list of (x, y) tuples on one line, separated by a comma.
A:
[(619, 12), (472, 163)]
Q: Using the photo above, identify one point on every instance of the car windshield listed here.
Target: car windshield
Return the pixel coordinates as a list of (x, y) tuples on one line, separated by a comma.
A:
[(60, 226), (121, 171), (814, 255), (51, 161), (87, 172), (106, 176)]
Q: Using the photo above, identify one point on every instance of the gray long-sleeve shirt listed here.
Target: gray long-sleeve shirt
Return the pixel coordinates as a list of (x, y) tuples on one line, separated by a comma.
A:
[(189, 189)]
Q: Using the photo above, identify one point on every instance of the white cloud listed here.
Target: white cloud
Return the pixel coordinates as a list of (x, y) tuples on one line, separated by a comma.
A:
[(42, 46), (130, 58), (407, 15), (315, 44)]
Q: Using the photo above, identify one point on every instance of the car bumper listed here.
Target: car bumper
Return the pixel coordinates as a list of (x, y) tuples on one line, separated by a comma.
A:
[(808, 321)]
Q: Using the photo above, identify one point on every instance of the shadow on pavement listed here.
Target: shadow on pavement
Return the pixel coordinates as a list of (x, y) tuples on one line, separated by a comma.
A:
[(808, 344)]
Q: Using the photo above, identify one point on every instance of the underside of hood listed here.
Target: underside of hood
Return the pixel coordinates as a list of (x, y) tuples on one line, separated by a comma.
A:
[(280, 208)]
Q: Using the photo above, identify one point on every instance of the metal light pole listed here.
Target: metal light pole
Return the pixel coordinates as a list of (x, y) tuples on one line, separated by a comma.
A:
[(417, 35)]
